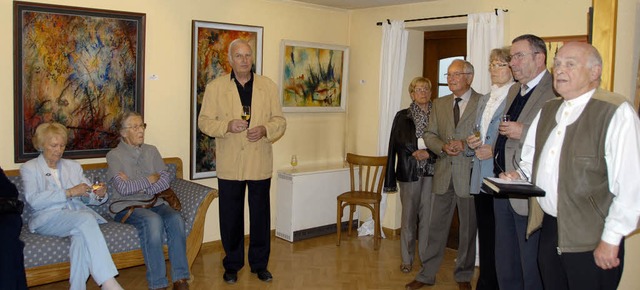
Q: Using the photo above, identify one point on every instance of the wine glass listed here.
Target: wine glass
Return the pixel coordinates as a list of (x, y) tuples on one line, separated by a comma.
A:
[(476, 130), (505, 118), (94, 187), (246, 113), (294, 161)]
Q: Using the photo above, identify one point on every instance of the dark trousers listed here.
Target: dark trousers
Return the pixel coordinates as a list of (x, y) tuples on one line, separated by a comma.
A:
[(572, 271), (231, 203), (487, 242), (11, 256), (516, 256)]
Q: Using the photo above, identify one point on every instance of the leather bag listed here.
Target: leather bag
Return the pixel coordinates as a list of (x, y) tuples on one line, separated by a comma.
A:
[(168, 195)]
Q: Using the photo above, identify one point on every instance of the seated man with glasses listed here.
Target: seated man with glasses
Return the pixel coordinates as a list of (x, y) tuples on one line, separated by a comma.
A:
[(137, 169)]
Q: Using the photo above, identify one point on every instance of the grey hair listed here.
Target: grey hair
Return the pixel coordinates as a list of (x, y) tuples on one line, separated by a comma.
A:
[(124, 117), (233, 44)]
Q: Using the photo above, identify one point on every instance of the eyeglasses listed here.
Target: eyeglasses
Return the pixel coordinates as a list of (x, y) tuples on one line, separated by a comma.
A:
[(456, 74), (136, 127), (518, 56), (421, 90), (498, 65)]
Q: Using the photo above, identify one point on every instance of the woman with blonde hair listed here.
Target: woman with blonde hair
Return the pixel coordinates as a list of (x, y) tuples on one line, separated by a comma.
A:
[(58, 192), (413, 170)]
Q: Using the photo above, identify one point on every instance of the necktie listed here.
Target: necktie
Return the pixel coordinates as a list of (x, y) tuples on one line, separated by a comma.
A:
[(456, 112), (523, 90)]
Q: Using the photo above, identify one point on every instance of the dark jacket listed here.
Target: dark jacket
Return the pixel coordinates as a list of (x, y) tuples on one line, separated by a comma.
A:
[(402, 143)]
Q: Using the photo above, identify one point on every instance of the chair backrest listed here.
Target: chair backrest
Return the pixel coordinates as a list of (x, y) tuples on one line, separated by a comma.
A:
[(371, 172)]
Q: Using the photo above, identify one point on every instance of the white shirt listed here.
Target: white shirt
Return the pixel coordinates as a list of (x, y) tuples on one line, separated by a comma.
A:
[(622, 155), (463, 103), (533, 83), (496, 96)]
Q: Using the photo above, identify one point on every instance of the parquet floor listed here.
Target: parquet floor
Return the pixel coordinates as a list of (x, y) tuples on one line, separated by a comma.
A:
[(310, 264)]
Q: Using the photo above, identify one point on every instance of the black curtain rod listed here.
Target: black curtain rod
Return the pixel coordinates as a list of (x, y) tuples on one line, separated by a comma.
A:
[(439, 17)]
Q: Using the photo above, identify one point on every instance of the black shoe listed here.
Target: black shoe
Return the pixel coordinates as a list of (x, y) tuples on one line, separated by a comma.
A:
[(264, 275), (230, 277)]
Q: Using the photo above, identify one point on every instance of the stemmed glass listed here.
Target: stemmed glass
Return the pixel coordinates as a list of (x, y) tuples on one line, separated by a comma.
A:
[(294, 161), (246, 113)]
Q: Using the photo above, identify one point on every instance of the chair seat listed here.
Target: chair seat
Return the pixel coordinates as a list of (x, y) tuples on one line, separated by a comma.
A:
[(366, 190), (360, 197)]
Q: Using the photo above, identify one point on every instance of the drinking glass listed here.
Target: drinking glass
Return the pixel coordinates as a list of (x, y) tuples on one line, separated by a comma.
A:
[(246, 113), (476, 130), (294, 161)]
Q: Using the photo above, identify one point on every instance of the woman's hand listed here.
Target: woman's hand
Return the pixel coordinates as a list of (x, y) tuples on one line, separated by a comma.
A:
[(80, 189), (473, 142), (100, 189), (420, 154)]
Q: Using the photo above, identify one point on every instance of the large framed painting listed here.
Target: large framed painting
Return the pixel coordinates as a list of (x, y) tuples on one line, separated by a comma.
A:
[(209, 60), (314, 77), (79, 67)]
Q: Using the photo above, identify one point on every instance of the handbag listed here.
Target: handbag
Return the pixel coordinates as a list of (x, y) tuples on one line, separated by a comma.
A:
[(131, 204), (11, 205)]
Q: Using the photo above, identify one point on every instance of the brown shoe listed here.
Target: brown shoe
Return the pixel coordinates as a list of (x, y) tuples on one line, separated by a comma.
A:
[(415, 284), (181, 285), (464, 285)]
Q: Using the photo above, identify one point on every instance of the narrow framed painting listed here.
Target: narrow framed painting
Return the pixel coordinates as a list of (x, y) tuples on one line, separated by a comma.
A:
[(314, 77), (209, 60), (79, 67)]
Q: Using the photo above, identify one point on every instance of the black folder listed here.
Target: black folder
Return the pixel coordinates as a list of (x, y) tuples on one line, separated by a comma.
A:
[(516, 188)]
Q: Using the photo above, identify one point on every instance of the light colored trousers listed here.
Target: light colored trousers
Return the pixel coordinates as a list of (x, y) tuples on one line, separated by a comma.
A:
[(416, 210), (88, 252)]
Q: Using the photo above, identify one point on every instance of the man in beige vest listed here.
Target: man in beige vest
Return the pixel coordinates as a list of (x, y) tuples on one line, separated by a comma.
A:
[(583, 150)]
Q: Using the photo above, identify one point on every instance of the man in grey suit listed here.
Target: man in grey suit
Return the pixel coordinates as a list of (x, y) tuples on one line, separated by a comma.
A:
[(516, 257), (452, 118)]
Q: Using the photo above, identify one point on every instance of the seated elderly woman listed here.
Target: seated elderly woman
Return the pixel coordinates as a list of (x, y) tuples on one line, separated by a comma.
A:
[(138, 172), (58, 192)]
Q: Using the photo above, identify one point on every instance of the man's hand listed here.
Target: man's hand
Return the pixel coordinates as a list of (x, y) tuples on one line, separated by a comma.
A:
[(453, 148), (420, 154), (513, 130), (606, 255), (153, 178), (511, 175), (237, 126), (256, 133)]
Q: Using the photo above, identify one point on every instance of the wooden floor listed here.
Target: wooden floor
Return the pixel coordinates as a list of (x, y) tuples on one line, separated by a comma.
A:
[(310, 264)]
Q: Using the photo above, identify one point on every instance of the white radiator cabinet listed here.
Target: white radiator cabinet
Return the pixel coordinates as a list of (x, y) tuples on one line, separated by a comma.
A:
[(306, 201)]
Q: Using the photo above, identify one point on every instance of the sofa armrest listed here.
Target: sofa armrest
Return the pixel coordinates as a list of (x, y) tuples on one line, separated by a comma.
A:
[(191, 196)]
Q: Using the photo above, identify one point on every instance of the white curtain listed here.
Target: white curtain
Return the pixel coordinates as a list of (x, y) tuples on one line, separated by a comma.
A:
[(392, 62), (485, 31)]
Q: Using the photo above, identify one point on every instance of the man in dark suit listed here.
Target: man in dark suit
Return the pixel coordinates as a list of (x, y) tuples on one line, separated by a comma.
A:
[(516, 264), (452, 118)]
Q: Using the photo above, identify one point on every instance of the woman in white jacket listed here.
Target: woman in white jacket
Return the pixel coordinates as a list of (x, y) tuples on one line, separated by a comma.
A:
[(58, 192)]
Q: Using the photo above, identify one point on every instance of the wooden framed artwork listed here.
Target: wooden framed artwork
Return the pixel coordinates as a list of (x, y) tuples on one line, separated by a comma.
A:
[(79, 67), (314, 77), (555, 42), (209, 60)]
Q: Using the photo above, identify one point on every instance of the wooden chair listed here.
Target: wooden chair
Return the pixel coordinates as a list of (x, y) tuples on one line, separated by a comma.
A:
[(365, 191)]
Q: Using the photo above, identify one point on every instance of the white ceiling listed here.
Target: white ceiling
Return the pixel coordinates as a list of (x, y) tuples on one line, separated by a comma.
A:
[(359, 4)]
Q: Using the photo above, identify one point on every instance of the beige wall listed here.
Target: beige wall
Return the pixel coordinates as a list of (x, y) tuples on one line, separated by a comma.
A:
[(315, 138)]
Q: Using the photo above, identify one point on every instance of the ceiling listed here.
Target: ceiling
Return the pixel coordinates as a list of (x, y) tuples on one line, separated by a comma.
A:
[(359, 4)]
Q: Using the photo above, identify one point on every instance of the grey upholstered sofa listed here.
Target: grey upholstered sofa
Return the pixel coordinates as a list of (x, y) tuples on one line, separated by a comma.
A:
[(46, 258)]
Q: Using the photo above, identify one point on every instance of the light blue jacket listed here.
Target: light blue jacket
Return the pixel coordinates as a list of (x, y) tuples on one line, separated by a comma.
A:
[(46, 198), (484, 168)]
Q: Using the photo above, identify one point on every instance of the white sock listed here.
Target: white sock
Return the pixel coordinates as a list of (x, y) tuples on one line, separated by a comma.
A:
[(111, 284)]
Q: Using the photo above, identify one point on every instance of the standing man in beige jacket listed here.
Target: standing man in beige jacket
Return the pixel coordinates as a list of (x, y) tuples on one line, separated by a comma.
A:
[(244, 157)]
